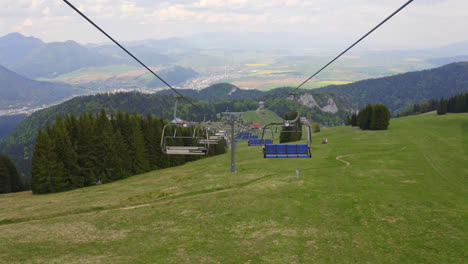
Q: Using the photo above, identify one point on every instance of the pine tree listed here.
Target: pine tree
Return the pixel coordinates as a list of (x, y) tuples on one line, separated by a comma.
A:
[(137, 148), (442, 109), (348, 120), (354, 119), (123, 168), (46, 169), (5, 177), (365, 117), (86, 149), (67, 156)]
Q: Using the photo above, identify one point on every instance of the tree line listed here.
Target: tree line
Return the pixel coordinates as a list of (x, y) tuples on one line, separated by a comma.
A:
[(371, 117), (455, 104), (91, 149), (10, 180)]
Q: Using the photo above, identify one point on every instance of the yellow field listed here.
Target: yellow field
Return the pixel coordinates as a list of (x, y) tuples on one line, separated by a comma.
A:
[(335, 82), (397, 70), (255, 64), (269, 72)]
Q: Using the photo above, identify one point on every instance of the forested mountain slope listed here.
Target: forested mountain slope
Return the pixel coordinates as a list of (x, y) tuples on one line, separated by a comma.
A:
[(329, 109), (398, 92), (220, 92)]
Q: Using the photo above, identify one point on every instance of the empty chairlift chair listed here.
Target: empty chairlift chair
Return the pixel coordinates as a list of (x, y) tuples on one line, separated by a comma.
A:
[(271, 150), (175, 142)]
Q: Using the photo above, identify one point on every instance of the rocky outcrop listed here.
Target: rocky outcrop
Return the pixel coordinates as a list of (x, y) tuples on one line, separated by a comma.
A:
[(331, 107), (233, 90), (309, 101)]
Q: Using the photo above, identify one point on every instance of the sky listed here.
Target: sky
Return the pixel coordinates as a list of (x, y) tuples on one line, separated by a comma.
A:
[(424, 23)]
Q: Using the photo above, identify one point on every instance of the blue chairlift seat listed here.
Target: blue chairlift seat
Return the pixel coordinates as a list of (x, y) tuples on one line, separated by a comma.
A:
[(259, 142), (286, 151)]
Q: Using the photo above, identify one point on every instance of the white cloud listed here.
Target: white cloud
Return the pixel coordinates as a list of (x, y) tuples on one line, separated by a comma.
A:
[(46, 11), (28, 22), (447, 19)]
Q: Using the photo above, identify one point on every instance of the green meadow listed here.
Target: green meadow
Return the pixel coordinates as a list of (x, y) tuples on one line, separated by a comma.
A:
[(395, 196), (262, 117)]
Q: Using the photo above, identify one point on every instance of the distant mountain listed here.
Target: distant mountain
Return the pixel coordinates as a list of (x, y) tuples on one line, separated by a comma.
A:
[(53, 59), (15, 47), (400, 91), (448, 60), (34, 59), (148, 55), (451, 50), (18, 91)]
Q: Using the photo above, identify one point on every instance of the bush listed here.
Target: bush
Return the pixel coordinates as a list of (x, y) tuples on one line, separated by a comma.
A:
[(316, 127), (374, 117)]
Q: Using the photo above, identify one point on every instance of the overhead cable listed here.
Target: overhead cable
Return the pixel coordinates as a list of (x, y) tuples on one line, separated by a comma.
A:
[(129, 53), (342, 53)]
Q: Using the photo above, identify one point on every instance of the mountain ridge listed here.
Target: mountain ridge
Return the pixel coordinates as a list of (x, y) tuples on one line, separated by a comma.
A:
[(17, 90)]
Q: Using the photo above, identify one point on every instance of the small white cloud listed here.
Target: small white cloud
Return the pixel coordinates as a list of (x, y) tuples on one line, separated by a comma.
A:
[(27, 22), (174, 13), (46, 11)]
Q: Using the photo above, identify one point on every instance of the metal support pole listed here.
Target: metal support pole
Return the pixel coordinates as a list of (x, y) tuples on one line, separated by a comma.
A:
[(233, 147)]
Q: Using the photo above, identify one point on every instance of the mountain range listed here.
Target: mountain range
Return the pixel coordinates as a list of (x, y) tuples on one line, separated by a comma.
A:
[(35, 59)]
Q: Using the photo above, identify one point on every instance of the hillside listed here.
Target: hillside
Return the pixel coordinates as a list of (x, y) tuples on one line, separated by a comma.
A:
[(9, 122), (147, 54), (329, 109), (174, 76), (400, 91), (262, 117), (402, 199), (18, 91), (220, 92)]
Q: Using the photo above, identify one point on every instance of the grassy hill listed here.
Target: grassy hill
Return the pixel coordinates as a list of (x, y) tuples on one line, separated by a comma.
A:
[(402, 199)]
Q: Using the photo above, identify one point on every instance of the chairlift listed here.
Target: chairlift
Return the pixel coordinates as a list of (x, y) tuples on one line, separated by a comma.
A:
[(287, 150), (208, 136), (196, 147)]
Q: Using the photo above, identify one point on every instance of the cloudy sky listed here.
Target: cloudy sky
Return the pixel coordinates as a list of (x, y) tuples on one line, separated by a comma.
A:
[(424, 23)]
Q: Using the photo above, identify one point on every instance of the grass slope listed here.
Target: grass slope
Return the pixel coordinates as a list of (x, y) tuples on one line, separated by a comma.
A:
[(262, 117), (402, 199)]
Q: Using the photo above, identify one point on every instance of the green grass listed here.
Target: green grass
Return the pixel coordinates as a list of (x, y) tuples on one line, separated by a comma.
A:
[(262, 117), (402, 199)]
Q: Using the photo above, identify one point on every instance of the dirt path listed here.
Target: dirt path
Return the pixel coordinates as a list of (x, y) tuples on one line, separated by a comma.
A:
[(342, 156)]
